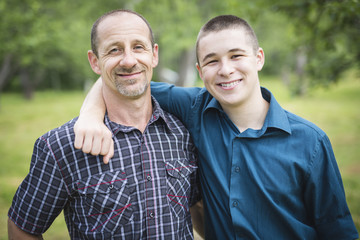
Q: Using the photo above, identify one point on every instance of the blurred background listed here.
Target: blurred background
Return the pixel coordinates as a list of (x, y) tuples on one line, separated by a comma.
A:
[(312, 67)]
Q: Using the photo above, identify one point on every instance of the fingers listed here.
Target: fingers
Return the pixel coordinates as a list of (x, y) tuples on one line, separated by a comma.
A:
[(107, 142), (79, 136), (110, 154), (97, 143), (79, 139), (94, 139)]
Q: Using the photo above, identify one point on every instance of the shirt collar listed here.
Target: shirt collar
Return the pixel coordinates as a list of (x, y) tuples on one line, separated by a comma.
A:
[(213, 103), (275, 118), (158, 114)]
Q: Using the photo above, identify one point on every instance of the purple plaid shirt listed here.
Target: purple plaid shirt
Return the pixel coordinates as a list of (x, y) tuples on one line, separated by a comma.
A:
[(143, 193)]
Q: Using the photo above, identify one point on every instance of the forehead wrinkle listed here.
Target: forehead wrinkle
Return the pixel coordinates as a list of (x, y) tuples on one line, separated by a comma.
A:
[(134, 41)]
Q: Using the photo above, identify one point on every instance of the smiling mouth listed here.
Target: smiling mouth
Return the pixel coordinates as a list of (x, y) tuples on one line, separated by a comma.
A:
[(229, 84), (128, 74)]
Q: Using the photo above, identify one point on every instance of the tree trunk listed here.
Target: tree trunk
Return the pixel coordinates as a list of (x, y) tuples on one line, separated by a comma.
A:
[(26, 83), (301, 61), (187, 69), (5, 70)]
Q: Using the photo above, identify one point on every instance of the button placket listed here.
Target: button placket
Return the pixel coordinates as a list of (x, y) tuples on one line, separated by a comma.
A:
[(149, 197)]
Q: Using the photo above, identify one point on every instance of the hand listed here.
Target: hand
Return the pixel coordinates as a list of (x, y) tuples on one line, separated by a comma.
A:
[(92, 136)]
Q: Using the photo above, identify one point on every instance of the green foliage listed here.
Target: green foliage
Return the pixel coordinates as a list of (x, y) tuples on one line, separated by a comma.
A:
[(327, 34), (48, 40)]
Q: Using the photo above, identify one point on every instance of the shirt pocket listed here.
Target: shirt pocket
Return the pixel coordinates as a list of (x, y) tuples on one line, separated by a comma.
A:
[(105, 198), (179, 179)]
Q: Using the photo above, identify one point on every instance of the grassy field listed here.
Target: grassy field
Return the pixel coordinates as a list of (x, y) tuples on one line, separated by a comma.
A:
[(336, 110)]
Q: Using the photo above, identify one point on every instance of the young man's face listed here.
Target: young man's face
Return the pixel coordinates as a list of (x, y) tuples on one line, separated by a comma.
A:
[(229, 67), (125, 55)]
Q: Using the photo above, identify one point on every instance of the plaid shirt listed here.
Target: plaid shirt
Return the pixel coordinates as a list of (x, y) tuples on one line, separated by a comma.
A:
[(143, 193)]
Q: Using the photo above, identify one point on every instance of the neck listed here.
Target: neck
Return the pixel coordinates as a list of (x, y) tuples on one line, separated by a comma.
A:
[(135, 112), (250, 114)]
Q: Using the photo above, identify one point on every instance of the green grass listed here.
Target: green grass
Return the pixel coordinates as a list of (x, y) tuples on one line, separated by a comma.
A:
[(336, 110), (21, 123)]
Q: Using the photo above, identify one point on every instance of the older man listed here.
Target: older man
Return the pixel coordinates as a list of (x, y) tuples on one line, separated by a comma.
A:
[(146, 190)]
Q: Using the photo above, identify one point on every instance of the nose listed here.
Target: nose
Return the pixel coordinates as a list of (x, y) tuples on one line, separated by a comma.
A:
[(128, 60), (225, 69)]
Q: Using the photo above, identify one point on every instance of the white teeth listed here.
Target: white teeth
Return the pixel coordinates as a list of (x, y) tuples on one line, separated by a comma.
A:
[(227, 85)]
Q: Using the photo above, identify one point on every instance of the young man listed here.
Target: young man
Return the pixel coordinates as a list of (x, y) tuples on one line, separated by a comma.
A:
[(265, 173), (146, 190)]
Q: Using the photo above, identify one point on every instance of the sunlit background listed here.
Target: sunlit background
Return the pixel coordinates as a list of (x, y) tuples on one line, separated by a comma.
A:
[(312, 67)]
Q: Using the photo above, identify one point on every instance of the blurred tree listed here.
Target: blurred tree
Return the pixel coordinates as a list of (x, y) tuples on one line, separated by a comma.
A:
[(44, 42), (32, 44), (327, 39)]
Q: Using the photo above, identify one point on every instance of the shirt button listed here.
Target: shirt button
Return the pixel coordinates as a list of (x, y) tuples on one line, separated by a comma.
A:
[(237, 169), (149, 178), (235, 204), (111, 187), (152, 215)]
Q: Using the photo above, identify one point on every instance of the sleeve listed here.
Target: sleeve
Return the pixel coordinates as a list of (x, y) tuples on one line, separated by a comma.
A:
[(42, 195), (175, 100), (325, 196)]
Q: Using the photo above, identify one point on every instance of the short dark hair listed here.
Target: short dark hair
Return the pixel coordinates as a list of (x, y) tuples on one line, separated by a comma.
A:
[(224, 22), (94, 35)]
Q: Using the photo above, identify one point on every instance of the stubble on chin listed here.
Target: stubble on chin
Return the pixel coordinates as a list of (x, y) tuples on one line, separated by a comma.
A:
[(124, 90)]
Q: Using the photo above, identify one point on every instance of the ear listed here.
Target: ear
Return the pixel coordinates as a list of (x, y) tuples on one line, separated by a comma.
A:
[(260, 59), (199, 70), (155, 55), (94, 62)]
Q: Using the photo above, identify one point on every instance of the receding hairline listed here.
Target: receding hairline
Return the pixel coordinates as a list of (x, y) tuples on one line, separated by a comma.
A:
[(114, 13)]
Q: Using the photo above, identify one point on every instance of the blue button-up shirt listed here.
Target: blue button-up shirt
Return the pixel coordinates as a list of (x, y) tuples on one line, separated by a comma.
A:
[(279, 182)]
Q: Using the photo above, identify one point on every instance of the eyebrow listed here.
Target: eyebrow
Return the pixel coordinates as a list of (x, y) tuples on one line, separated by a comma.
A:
[(210, 55)]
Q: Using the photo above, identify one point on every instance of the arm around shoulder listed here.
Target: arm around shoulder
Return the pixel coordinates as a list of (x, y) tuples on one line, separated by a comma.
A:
[(91, 134), (174, 99)]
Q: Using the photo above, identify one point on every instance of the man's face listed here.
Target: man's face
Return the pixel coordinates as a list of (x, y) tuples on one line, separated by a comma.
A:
[(229, 67), (125, 55)]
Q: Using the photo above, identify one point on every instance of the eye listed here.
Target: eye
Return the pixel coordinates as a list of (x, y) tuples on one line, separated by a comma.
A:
[(114, 50), (210, 62), (236, 56), (139, 47)]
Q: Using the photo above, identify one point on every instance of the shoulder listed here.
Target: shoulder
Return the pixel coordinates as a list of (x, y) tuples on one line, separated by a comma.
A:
[(61, 137), (188, 95), (174, 123), (65, 130), (304, 129)]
